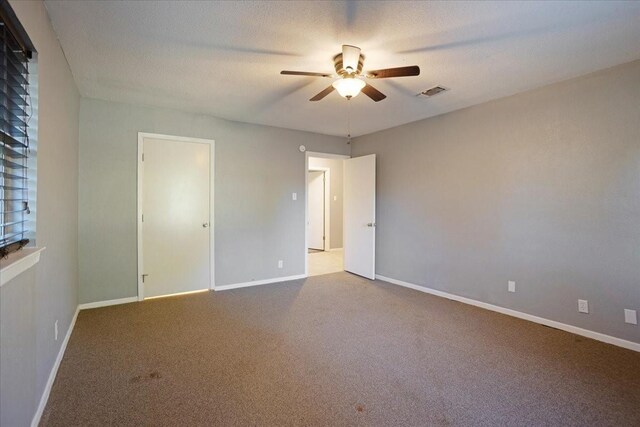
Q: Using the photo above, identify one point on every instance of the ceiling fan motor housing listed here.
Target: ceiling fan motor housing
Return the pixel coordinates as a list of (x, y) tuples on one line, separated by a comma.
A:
[(337, 62)]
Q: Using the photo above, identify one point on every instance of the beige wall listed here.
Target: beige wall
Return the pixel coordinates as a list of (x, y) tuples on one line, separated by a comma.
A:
[(542, 188), (32, 302), (336, 172), (256, 169)]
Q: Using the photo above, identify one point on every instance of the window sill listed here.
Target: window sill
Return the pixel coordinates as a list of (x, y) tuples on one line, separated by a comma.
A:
[(17, 263)]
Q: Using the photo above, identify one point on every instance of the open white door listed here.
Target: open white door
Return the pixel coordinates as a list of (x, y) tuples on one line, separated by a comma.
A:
[(316, 198), (360, 216), (176, 215)]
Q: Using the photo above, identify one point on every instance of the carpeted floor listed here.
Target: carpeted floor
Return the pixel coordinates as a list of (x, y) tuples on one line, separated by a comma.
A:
[(334, 350)]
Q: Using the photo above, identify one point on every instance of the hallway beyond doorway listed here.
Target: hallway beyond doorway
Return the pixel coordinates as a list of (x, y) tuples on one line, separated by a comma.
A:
[(325, 262)]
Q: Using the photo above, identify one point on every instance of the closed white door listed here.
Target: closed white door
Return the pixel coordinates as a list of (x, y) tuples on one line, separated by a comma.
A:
[(360, 216), (315, 196), (175, 209)]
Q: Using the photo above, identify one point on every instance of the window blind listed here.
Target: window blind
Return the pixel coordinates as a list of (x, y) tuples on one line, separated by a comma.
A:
[(14, 137)]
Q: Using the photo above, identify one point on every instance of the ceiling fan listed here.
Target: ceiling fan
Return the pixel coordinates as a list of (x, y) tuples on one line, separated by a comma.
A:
[(348, 65)]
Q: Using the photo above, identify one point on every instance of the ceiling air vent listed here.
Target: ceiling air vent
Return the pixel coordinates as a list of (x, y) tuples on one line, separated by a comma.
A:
[(433, 91)]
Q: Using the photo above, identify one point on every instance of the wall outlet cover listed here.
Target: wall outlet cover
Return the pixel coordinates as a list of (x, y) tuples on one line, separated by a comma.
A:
[(294, 196), (280, 263), (630, 316), (583, 306), (511, 286)]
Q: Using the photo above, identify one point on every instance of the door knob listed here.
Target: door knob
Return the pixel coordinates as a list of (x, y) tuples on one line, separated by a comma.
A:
[(205, 224)]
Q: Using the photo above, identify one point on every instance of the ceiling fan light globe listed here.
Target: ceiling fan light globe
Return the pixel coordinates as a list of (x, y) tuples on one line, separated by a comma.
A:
[(349, 87)]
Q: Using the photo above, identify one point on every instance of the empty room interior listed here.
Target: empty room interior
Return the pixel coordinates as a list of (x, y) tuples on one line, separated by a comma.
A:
[(319, 213)]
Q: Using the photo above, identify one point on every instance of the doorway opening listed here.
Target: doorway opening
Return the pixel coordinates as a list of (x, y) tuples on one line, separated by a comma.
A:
[(349, 241), (324, 198)]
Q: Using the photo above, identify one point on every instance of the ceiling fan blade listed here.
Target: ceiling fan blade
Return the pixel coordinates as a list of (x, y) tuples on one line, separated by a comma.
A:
[(386, 73), (350, 57), (373, 93), (322, 94), (304, 73)]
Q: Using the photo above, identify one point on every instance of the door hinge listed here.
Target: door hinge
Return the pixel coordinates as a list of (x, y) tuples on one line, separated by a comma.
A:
[(143, 157), (142, 217), (143, 276)]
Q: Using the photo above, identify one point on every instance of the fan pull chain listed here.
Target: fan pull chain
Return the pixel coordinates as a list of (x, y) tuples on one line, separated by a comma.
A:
[(348, 122)]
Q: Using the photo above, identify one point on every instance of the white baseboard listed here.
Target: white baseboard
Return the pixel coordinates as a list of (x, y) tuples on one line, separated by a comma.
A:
[(108, 303), (259, 282), (541, 320), (54, 371)]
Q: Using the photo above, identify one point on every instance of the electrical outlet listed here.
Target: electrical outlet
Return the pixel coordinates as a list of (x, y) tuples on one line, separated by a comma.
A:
[(583, 306), (335, 198), (55, 331), (511, 286), (280, 263), (294, 196), (630, 316)]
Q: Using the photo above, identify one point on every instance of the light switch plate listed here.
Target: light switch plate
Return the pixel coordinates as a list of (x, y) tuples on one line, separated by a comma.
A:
[(280, 263), (583, 306), (294, 196), (630, 316), (511, 286)]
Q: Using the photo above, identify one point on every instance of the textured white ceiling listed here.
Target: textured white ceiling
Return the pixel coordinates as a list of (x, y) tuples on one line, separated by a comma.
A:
[(224, 58)]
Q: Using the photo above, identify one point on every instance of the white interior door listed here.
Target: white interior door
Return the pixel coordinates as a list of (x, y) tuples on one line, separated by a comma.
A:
[(315, 196), (175, 209), (360, 215)]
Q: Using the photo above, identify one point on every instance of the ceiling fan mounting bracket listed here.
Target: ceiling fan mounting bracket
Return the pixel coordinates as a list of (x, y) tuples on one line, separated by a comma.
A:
[(337, 63)]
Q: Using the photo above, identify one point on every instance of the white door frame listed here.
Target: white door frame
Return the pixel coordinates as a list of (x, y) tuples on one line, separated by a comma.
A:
[(327, 205), (306, 201), (141, 138)]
